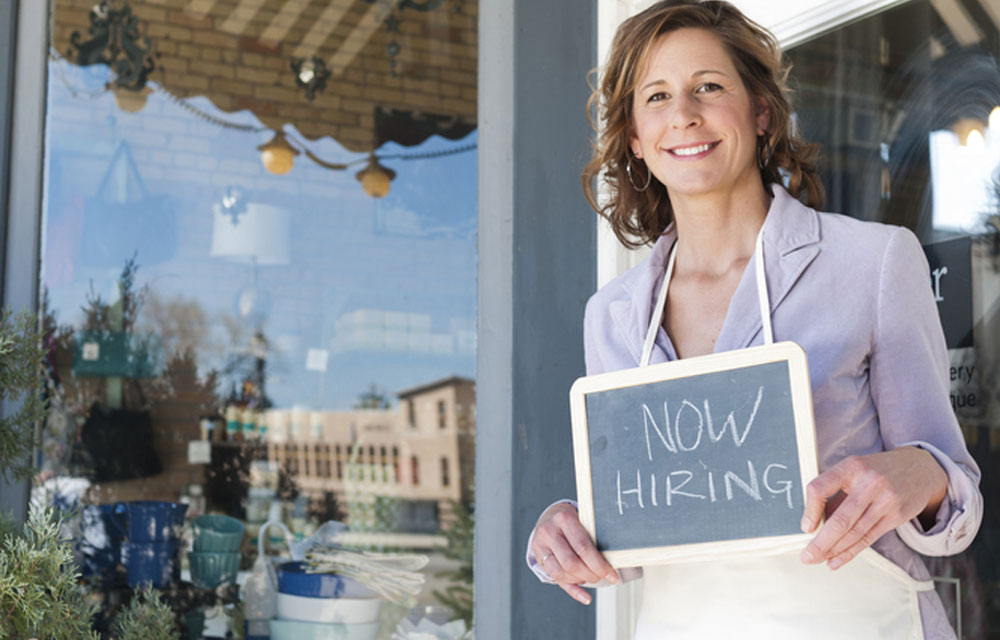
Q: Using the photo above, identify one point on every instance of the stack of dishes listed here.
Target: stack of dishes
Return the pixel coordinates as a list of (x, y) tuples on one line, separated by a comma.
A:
[(216, 556), (153, 533), (323, 606)]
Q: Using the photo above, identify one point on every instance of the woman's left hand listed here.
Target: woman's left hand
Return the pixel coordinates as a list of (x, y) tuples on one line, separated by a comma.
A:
[(865, 497)]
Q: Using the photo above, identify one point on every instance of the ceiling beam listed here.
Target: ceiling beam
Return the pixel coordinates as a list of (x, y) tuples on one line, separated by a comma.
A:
[(953, 14)]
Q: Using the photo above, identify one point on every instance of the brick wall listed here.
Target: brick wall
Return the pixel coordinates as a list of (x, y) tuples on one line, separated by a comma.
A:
[(237, 53)]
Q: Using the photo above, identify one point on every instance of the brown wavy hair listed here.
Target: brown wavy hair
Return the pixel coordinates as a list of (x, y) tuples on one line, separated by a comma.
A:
[(639, 217)]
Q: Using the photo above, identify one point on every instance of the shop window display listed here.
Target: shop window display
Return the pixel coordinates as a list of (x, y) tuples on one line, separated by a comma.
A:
[(258, 280)]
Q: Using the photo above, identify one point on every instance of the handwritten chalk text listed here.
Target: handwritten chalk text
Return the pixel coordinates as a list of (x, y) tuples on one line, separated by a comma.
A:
[(685, 431), (679, 485)]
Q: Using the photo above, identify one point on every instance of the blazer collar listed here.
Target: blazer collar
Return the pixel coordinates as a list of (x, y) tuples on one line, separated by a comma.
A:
[(791, 236)]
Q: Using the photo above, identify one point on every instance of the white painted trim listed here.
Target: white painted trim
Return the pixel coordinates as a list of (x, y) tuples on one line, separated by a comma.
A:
[(825, 17), (24, 205), (606, 611), (495, 318), (609, 15), (27, 147), (612, 619)]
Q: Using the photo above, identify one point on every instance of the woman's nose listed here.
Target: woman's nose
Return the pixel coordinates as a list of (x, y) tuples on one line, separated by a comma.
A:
[(686, 113)]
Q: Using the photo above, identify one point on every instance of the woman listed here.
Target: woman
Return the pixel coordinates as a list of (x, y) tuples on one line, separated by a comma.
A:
[(701, 160)]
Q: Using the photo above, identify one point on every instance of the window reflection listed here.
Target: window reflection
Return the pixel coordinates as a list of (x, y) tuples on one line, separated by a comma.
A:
[(259, 268), (905, 103)]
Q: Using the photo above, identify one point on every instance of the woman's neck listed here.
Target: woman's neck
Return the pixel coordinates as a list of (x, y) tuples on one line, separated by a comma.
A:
[(714, 232)]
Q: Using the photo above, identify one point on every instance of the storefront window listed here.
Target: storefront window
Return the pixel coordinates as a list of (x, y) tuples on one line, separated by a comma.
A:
[(258, 280), (906, 105)]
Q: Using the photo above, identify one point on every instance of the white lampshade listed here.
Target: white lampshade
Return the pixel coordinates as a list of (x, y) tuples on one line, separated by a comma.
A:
[(262, 232)]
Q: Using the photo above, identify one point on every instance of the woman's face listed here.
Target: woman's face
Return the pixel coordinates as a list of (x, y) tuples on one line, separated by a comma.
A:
[(696, 125)]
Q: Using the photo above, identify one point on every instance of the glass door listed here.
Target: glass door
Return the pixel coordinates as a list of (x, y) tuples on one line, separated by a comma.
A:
[(906, 105)]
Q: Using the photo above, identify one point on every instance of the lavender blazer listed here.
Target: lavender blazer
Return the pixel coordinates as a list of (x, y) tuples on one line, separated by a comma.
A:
[(857, 297)]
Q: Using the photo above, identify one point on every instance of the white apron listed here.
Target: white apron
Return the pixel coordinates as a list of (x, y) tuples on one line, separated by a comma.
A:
[(775, 597)]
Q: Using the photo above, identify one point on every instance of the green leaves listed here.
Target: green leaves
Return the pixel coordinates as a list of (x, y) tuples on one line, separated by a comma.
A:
[(39, 594), (21, 355), (147, 617)]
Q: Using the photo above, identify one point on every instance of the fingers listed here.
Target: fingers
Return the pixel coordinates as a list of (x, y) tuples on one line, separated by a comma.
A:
[(576, 592), (862, 532), (883, 490), (882, 527), (845, 529), (858, 521), (850, 477), (577, 561), (833, 530), (567, 566), (561, 560), (833, 502), (570, 555), (819, 491), (593, 561)]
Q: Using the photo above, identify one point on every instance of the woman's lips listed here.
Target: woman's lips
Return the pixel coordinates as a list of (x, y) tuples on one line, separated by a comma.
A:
[(693, 151)]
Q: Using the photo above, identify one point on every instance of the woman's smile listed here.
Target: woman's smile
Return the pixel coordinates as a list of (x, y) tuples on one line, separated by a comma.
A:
[(693, 152)]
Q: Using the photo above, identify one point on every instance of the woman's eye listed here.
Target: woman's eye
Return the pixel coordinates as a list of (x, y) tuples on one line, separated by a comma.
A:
[(709, 87), (656, 97)]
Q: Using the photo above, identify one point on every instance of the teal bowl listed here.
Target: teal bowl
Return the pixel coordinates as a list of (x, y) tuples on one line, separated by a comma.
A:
[(209, 569), (217, 533)]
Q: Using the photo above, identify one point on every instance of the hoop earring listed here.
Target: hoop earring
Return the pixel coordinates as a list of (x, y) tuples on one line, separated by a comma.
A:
[(628, 170), (764, 151)]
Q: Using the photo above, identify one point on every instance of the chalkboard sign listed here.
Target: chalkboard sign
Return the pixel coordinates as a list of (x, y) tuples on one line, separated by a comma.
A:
[(697, 458)]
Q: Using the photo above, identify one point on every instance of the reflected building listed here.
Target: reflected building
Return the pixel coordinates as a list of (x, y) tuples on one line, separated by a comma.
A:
[(420, 454)]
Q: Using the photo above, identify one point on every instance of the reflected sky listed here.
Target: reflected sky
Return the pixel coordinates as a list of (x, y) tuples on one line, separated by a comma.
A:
[(963, 177), (348, 290)]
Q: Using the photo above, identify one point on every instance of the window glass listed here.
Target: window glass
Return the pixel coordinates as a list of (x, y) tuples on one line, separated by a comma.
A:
[(906, 105), (258, 274)]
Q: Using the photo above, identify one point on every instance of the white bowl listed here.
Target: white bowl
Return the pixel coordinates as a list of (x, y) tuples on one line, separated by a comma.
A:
[(294, 580), (336, 610), (296, 630)]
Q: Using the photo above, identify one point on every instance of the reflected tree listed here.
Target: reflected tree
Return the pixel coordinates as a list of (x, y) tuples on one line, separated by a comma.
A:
[(460, 534), (373, 398), (326, 508)]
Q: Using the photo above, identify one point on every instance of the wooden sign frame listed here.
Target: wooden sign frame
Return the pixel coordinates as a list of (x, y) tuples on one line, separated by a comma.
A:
[(802, 409)]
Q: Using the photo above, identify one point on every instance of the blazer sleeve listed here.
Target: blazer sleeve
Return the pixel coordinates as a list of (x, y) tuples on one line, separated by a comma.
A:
[(910, 388), (591, 350)]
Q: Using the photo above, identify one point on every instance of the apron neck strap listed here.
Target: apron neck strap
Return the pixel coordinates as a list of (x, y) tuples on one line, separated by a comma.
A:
[(763, 300), (661, 300)]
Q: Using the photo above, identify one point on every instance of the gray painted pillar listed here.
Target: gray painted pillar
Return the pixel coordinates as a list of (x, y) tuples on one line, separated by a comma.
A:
[(8, 22), (23, 204), (537, 266)]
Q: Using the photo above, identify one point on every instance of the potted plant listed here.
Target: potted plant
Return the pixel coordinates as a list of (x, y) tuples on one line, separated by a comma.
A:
[(40, 594), (146, 617)]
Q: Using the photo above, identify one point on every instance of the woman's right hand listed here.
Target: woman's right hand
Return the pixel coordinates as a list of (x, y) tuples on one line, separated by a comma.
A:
[(563, 549)]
